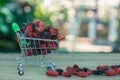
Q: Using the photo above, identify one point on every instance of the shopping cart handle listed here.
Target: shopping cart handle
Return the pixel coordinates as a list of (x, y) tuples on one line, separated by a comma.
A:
[(15, 27), (25, 43)]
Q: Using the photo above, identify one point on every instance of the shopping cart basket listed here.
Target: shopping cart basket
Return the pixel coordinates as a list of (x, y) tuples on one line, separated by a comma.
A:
[(34, 46)]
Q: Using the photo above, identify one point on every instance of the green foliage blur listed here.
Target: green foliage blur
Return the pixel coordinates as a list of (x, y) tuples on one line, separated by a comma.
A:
[(21, 12), (12, 11)]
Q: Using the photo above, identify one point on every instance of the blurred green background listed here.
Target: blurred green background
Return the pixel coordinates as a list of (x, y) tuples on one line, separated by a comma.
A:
[(78, 20)]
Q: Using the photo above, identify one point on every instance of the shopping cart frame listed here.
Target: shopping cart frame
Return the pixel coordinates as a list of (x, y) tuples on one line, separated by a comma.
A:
[(23, 48)]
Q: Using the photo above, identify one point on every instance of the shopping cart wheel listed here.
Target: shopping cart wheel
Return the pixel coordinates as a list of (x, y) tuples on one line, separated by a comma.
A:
[(20, 69), (21, 73), (51, 66)]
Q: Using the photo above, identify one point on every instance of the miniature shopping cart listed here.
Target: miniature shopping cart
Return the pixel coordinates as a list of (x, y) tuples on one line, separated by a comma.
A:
[(34, 46)]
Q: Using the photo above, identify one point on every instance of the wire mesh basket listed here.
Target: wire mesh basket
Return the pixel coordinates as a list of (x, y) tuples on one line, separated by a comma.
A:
[(34, 46)]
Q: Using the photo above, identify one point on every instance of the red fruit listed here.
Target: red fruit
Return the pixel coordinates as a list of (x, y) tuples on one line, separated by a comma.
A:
[(52, 73), (36, 24), (82, 74), (50, 44), (29, 28), (48, 27), (33, 51), (70, 70), (54, 31), (35, 34), (55, 45), (31, 35), (100, 68), (106, 67), (41, 26), (66, 74), (89, 72), (110, 73), (43, 46), (118, 70), (76, 71), (75, 66), (43, 52), (113, 67), (61, 37), (27, 53)]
